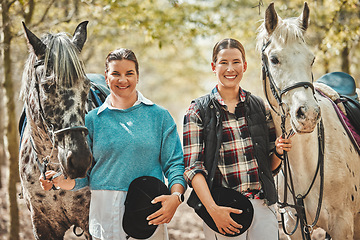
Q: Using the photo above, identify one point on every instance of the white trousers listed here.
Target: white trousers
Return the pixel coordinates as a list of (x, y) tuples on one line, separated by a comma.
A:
[(106, 216), (160, 233), (263, 226)]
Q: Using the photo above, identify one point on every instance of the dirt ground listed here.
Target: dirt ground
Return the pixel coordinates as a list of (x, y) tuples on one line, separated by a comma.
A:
[(186, 225)]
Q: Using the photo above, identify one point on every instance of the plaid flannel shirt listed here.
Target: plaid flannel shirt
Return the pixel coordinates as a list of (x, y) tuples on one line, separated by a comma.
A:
[(237, 166)]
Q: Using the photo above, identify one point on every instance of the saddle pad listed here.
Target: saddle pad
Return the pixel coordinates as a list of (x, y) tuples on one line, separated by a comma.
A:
[(352, 111)]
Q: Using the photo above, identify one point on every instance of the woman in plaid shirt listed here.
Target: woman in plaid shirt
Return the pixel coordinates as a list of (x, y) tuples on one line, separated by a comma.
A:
[(239, 165)]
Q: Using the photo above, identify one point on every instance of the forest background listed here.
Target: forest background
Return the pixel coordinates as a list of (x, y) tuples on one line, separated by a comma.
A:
[(173, 41)]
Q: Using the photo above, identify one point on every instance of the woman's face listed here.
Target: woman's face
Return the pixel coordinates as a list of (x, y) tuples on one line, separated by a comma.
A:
[(122, 78), (229, 68)]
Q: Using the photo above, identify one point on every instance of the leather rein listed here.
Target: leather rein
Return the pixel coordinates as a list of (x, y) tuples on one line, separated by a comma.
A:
[(298, 199), (49, 129)]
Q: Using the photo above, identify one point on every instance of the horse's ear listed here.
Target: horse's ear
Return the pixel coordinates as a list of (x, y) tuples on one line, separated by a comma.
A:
[(80, 35), (304, 17), (37, 45), (271, 19)]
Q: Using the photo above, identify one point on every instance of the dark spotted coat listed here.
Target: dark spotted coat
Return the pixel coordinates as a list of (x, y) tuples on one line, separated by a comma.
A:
[(55, 91)]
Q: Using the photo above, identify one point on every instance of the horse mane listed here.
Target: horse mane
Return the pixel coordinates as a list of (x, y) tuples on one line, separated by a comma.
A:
[(62, 59), (287, 31)]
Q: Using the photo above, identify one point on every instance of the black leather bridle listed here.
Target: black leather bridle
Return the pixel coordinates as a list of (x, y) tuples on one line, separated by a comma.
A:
[(275, 90), (298, 199)]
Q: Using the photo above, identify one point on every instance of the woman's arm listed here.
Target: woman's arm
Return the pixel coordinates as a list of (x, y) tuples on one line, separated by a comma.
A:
[(172, 161), (195, 171)]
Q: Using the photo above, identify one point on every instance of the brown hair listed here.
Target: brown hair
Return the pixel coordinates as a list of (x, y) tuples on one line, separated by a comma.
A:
[(226, 44), (122, 54)]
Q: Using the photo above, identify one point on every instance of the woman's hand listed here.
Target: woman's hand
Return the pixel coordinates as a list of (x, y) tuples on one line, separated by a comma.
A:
[(282, 144), (59, 182), (46, 184), (223, 220), (164, 215)]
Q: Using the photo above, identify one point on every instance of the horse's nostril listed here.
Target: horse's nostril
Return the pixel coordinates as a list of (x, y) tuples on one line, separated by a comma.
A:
[(69, 155), (69, 159), (300, 113)]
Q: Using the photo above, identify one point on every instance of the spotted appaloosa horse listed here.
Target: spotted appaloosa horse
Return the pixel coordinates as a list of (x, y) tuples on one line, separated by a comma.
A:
[(289, 65), (55, 91)]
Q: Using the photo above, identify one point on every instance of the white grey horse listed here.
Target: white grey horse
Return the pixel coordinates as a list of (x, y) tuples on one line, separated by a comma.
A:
[(289, 63)]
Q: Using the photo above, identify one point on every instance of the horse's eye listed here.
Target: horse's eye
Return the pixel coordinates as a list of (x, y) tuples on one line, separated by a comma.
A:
[(274, 60), (48, 87)]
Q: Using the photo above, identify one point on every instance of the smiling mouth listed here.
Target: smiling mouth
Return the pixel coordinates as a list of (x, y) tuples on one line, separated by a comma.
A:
[(124, 87), (231, 77)]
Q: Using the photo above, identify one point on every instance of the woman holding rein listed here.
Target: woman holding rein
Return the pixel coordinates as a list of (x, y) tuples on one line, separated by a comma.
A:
[(130, 137), (249, 150)]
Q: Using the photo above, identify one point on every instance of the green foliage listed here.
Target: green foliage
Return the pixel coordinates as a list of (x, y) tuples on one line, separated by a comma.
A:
[(336, 26)]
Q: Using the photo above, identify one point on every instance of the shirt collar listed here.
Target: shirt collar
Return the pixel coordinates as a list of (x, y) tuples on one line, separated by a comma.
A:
[(215, 93), (140, 99)]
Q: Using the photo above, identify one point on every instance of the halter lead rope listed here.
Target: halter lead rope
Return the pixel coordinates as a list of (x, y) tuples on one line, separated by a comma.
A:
[(298, 199)]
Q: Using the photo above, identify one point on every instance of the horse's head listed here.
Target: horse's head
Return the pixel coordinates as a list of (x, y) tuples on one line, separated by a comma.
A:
[(55, 90), (287, 65)]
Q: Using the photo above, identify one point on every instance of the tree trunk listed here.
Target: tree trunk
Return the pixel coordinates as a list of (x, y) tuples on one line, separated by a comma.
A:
[(2, 124), (345, 61), (11, 129), (2, 121), (326, 66)]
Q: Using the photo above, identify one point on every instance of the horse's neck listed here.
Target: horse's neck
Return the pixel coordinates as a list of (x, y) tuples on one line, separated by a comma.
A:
[(40, 138), (303, 155)]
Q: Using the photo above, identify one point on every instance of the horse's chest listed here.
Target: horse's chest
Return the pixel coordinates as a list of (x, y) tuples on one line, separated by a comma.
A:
[(55, 203)]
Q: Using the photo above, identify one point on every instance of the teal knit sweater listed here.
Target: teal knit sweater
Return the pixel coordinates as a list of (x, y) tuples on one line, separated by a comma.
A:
[(127, 144)]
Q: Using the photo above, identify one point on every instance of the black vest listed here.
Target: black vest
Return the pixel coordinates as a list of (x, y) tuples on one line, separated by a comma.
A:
[(211, 116)]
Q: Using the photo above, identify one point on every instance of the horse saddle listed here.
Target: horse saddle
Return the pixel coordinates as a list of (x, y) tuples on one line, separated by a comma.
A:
[(342, 83)]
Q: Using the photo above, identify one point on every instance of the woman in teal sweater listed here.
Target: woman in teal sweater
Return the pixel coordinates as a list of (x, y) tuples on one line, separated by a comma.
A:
[(130, 137)]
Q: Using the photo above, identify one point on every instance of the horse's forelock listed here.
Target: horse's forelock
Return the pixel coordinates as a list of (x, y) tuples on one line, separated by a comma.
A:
[(288, 31), (63, 57)]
